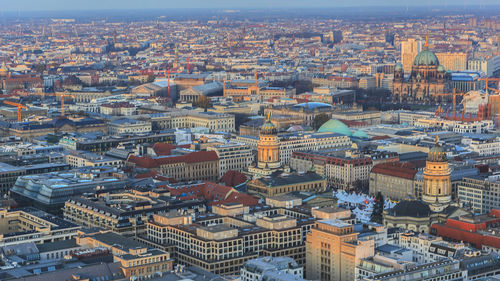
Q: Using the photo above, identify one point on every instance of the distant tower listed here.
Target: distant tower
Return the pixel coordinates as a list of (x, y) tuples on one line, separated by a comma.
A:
[(268, 146), (437, 185)]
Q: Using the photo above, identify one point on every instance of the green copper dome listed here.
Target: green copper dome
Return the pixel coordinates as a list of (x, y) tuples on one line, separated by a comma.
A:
[(335, 126), (426, 57), (437, 154), (398, 67), (268, 128), (441, 68)]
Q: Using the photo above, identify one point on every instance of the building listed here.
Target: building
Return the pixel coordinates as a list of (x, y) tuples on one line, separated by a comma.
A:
[(393, 180), (49, 191), (266, 268), (342, 171), (77, 159), (481, 231), (222, 244), (479, 193), (268, 150), (447, 269), (233, 156), (282, 184), (136, 260), (409, 50), (197, 165), (241, 89), (435, 206), (126, 212), (426, 82), (488, 65), (291, 142), (333, 251), (33, 225), (128, 126), (456, 61), (192, 94), (215, 122), (99, 143)]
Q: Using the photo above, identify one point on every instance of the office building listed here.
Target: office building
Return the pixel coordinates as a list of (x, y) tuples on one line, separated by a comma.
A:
[(333, 251)]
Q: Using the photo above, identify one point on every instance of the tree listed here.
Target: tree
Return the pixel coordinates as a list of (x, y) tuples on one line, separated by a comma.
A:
[(319, 120), (203, 102), (378, 209)]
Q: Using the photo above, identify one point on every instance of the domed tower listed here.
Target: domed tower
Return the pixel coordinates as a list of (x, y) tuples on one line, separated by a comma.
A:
[(437, 185), (398, 72), (268, 146)]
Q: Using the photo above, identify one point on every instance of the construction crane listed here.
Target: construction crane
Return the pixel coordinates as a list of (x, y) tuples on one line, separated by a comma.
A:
[(19, 108), (63, 95), (454, 95), (487, 84)]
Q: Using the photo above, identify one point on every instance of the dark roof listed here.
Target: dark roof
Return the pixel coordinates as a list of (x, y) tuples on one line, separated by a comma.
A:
[(410, 208), (57, 245)]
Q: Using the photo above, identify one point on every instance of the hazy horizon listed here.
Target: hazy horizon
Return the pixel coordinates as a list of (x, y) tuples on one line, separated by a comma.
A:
[(65, 5)]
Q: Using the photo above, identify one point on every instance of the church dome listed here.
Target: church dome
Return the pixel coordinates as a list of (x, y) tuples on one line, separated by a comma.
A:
[(335, 126), (437, 154), (268, 128), (426, 57), (398, 67), (441, 68), (411, 208)]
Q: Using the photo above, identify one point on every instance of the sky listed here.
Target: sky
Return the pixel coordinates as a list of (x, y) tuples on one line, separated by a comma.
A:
[(55, 5)]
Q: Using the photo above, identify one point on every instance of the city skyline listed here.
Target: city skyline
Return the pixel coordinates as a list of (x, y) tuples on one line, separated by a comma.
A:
[(59, 5)]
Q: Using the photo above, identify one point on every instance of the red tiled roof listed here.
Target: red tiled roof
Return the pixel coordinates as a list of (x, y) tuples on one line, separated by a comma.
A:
[(214, 193), (163, 149), (395, 169), (193, 157)]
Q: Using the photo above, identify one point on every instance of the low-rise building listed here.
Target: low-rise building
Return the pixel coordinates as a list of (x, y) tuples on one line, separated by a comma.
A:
[(233, 156), (281, 184), (393, 180), (33, 225), (266, 267)]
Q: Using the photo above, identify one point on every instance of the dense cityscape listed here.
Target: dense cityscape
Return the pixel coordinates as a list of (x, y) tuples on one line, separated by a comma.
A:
[(346, 144)]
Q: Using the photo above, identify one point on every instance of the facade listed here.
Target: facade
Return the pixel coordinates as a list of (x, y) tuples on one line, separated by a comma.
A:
[(445, 270), (409, 50), (394, 180), (136, 260), (436, 190), (233, 157), (426, 82), (77, 159), (198, 165), (222, 244), (125, 213), (333, 251), (286, 183), (215, 122), (33, 225), (290, 143), (340, 171), (479, 193), (268, 150), (128, 126), (118, 109), (240, 90), (456, 61)]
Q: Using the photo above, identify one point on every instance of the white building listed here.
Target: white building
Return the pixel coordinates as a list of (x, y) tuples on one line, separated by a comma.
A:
[(257, 269), (128, 126), (233, 156)]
